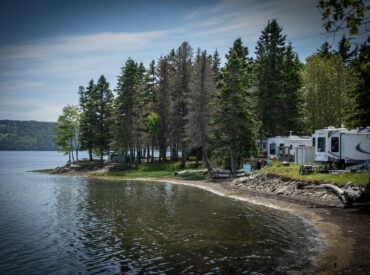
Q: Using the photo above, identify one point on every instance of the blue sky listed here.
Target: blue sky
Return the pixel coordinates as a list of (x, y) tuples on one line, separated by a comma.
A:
[(48, 48)]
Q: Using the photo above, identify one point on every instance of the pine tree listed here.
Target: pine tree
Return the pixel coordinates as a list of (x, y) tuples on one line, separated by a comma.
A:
[(141, 112), (127, 88), (182, 66), (216, 62), (269, 61), (88, 118), (150, 82), (344, 49), (104, 120), (290, 97), (163, 105), (325, 50), (234, 121), (358, 115), (203, 88)]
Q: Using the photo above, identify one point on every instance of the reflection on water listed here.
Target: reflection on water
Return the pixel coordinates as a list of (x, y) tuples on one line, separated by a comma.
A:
[(61, 224)]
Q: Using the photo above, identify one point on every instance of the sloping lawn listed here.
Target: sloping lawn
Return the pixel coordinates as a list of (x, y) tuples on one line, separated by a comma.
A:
[(292, 171), (154, 170)]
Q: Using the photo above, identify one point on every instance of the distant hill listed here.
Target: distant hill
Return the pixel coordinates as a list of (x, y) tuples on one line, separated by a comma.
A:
[(26, 135)]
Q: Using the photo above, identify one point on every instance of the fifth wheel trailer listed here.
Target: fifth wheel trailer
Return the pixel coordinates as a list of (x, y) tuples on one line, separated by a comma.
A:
[(340, 145), (286, 145)]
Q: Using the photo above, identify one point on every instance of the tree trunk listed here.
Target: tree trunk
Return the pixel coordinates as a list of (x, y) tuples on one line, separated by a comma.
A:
[(232, 160), (183, 154), (101, 155), (125, 156), (90, 154), (205, 159), (131, 155), (148, 155), (73, 157), (347, 195), (152, 156)]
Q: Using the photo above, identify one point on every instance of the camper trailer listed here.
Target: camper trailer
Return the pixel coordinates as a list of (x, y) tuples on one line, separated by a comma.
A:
[(283, 147), (340, 145), (262, 147)]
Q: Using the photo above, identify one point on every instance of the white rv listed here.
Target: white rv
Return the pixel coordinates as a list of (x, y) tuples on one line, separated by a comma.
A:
[(339, 145), (286, 143)]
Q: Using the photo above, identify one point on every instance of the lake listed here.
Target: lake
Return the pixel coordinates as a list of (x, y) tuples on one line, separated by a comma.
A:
[(59, 225)]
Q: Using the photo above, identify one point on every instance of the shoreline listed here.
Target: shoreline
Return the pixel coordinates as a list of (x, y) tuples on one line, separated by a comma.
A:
[(335, 257), (328, 232)]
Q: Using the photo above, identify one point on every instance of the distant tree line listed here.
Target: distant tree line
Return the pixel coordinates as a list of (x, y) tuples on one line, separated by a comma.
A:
[(26, 135), (189, 104)]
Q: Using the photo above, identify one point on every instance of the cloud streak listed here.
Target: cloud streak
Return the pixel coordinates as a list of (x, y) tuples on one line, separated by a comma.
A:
[(81, 44)]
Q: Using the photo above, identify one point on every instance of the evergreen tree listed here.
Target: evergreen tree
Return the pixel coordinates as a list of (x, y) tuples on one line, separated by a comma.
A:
[(268, 72), (216, 62), (127, 88), (290, 97), (358, 115), (344, 49), (103, 97), (203, 88), (182, 66), (88, 118), (163, 105), (242, 52), (141, 112), (234, 121), (150, 82), (325, 50)]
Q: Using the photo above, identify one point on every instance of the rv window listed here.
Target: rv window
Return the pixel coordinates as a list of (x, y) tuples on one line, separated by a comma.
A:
[(335, 144), (313, 141), (272, 149), (321, 144)]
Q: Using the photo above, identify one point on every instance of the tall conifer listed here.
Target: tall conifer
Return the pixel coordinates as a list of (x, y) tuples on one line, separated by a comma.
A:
[(269, 61), (104, 120), (234, 120)]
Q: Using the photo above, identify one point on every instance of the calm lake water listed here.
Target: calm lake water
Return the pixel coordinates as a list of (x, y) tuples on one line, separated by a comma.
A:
[(62, 225)]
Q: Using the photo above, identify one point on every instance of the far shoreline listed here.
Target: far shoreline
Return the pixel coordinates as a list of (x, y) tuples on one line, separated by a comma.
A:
[(337, 254)]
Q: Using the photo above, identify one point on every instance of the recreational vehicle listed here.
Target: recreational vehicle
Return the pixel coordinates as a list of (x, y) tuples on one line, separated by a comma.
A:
[(340, 145), (283, 147), (262, 147)]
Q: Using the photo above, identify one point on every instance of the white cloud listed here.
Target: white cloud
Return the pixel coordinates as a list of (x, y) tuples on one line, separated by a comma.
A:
[(11, 86), (81, 44)]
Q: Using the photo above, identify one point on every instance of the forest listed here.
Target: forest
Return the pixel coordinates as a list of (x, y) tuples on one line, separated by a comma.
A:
[(190, 103), (26, 135)]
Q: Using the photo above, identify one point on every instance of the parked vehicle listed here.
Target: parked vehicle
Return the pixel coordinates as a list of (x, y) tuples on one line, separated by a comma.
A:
[(283, 147), (340, 145)]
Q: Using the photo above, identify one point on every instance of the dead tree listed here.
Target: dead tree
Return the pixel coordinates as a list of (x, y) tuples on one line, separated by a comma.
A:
[(347, 195)]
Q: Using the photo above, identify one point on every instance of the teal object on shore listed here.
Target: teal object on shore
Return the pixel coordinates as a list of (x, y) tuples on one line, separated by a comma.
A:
[(247, 167)]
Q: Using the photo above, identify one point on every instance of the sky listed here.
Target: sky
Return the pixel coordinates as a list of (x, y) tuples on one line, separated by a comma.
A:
[(48, 48)]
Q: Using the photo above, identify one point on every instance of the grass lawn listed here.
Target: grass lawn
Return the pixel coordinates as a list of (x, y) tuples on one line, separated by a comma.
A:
[(292, 171), (154, 170)]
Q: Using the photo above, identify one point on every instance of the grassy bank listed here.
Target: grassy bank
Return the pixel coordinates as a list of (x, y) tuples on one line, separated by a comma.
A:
[(120, 171), (292, 171)]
